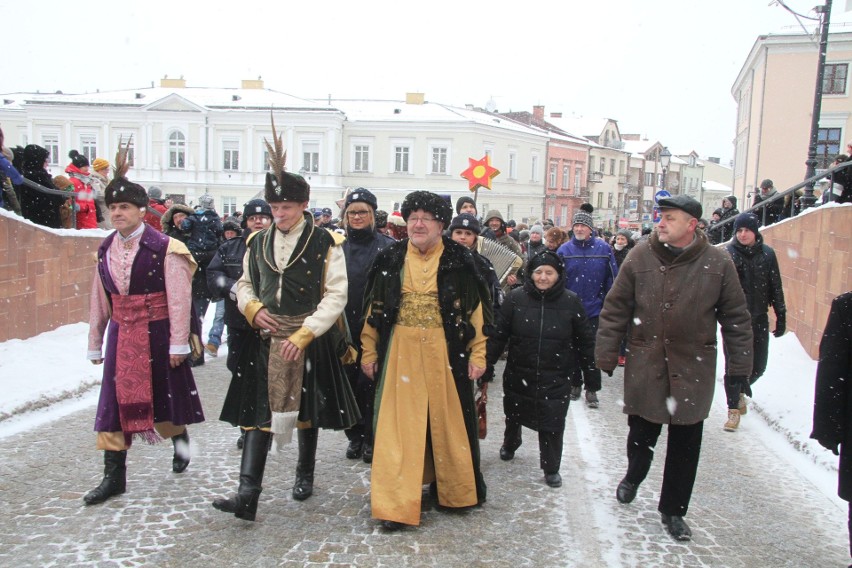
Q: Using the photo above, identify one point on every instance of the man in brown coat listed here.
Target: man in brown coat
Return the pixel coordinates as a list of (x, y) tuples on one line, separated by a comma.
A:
[(669, 294)]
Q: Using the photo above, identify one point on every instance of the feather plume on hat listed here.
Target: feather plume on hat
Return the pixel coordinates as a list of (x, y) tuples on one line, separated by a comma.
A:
[(280, 184), (121, 189)]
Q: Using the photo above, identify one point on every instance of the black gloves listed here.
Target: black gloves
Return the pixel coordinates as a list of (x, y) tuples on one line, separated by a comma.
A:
[(741, 380), (830, 445), (780, 324)]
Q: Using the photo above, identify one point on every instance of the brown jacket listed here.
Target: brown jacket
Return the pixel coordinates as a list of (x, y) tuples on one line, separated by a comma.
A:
[(668, 306)]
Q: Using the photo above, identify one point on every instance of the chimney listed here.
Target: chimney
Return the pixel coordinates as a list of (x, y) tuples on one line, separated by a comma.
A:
[(252, 83), (555, 115), (167, 83), (538, 112), (415, 98)]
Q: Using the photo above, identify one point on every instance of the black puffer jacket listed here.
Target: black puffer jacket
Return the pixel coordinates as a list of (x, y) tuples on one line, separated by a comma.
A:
[(760, 277), (541, 329), (222, 273)]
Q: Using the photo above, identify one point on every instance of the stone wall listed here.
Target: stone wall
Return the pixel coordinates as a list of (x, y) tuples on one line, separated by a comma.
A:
[(45, 276), (813, 252)]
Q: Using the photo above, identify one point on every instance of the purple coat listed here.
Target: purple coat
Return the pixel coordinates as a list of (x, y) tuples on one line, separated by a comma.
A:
[(176, 397)]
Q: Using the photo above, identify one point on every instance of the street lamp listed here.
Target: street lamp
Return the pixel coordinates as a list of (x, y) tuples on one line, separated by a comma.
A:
[(808, 199), (665, 160)]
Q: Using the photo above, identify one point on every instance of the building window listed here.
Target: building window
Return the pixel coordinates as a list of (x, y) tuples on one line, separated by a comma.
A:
[(563, 215), (551, 213), (621, 167), (513, 165), (612, 167), (89, 146), (51, 144), (609, 200), (649, 178), (828, 146), (402, 159), (578, 179), (229, 206), (566, 176), (265, 165), (439, 160), (510, 211), (362, 158), (230, 155), (534, 165), (177, 150), (551, 178), (310, 157), (834, 79), (600, 200)]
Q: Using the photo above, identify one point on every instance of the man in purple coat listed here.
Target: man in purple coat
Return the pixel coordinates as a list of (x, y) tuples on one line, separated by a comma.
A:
[(142, 295)]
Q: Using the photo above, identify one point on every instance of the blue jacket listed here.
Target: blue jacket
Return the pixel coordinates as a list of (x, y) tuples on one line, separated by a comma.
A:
[(590, 270)]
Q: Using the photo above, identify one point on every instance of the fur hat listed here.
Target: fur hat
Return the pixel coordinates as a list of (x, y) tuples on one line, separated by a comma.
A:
[(462, 200), (100, 164), (231, 225), (286, 187), (427, 201), (465, 221), (78, 159), (583, 218), (360, 195), (61, 182), (747, 221)]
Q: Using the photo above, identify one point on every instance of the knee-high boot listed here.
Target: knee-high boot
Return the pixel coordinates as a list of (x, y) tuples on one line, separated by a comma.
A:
[(244, 504), (114, 481), (304, 486)]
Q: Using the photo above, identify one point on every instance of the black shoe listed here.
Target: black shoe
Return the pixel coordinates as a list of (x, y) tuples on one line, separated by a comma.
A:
[(368, 453), (626, 492), (243, 505), (252, 466), (392, 526), (576, 392), (676, 526), (506, 454), (180, 459), (355, 449), (553, 479), (592, 399), (114, 481)]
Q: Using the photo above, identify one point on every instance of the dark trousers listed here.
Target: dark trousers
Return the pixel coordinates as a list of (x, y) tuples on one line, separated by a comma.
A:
[(549, 446), (682, 453), (593, 380), (760, 349), (365, 395)]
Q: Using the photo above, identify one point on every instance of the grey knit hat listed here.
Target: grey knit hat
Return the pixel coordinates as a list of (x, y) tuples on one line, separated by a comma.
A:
[(583, 218)]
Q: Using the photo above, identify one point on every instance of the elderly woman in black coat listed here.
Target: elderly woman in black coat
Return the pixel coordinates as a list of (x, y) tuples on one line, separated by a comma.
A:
[(542, 322)]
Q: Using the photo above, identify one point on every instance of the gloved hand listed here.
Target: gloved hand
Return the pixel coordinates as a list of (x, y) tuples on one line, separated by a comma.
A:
[(741, 380), (830, 445), (780, 324)]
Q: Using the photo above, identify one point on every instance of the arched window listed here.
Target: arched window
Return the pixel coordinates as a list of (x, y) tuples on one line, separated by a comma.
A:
[(177, 150)]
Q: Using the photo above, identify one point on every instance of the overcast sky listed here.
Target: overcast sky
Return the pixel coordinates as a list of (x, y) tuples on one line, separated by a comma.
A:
[(663, 68)]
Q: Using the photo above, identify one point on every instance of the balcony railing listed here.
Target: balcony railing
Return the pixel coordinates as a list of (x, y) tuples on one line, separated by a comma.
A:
[(595, 177)]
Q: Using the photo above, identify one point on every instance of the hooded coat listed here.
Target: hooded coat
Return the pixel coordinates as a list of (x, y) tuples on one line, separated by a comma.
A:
[(541, 329), (668, 305), (38, 207), (725, 232)]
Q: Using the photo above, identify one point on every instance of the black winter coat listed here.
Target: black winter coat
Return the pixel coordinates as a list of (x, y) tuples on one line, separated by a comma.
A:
[(222, 273), (774, 211), (40, 208), (541, 329), (360, 249), (833, 392), (760, 277)]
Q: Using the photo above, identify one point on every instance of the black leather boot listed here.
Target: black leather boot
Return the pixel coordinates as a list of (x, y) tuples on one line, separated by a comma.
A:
[(244, 504), (114, 481), (180, 459), (304, 486)]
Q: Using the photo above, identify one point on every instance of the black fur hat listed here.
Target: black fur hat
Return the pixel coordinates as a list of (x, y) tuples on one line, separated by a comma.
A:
[(427, 201), (122, 190), (286, 187)]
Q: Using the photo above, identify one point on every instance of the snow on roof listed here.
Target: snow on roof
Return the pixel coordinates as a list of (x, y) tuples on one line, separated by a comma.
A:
[(200, 96), (579, 125), (710, 185), (399, 111)]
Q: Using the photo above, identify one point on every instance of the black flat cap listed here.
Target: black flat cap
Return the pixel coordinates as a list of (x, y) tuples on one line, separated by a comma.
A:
[(682, 202)]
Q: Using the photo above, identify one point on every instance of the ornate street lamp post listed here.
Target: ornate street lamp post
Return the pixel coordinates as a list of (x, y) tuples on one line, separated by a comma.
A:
[(808, 199), (665, 160)]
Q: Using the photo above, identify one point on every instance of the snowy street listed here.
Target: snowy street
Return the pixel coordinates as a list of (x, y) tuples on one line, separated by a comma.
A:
[(756, 502)]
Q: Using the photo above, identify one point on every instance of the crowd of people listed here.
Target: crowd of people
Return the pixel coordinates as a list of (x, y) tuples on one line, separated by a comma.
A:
[(390, 327)]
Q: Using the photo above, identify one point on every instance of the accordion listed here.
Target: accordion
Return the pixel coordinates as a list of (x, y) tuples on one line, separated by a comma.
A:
[(503, 258)]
